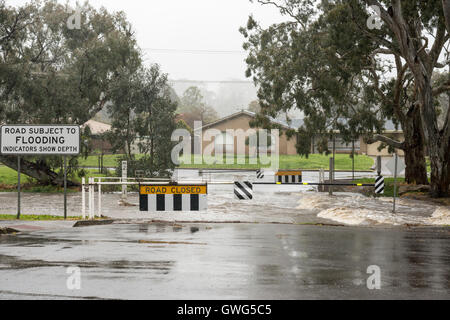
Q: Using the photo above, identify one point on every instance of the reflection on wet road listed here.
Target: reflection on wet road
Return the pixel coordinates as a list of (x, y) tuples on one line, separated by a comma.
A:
[(226, 261)]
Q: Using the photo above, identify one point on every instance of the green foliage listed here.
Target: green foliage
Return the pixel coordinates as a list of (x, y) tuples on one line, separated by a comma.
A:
[(193, 108), (143, 115), (50, 74), (181, 124)]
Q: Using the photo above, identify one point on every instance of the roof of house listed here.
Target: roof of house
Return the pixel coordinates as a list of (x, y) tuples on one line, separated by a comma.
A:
[(97, 127), (293, 124), (248, 113)]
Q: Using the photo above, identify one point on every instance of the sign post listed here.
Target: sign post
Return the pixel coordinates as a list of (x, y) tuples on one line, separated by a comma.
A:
[(395, 166), (65, 187), (124, 179), (18, 187), (40, 140), (395, 180)]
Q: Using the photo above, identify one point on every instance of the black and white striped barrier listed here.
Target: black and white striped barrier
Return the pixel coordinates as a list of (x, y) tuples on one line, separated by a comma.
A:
[(288, 177), (240, 187), (379, 185), (155, 198), (260, 174), (243, 190)]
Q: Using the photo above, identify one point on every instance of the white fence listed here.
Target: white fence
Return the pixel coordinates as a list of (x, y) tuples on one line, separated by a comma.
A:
[(94, 185)]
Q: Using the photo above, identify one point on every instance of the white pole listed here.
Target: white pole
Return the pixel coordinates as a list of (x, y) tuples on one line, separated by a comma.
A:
[(124, 179), (99, 200), (90, 197), (93, 198), (83, 198), (395, 179)]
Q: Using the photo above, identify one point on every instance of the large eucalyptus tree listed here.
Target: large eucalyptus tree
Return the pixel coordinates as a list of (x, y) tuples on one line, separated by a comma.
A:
[(326, 61), (51, 73)]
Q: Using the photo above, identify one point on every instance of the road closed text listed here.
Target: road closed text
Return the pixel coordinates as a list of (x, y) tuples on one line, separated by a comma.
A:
[(201, 189)]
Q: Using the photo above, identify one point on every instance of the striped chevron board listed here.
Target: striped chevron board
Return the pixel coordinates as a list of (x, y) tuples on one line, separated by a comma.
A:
[(173, 202)]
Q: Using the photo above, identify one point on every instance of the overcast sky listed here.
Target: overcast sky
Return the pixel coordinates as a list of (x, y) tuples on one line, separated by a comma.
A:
[(190, 25)]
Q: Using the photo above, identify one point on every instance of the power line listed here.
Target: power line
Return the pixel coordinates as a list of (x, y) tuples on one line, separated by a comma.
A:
[(212, 81), (194, 51)]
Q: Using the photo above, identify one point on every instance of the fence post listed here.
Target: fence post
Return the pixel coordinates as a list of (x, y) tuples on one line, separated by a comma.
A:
[(91, 209), (93, 198), (124, 179), (331, 176), (99, 199), (83, 198), (321, 179)]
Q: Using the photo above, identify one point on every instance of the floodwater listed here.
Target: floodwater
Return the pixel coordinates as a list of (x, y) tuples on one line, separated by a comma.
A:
[(271, 204), (225, 261)]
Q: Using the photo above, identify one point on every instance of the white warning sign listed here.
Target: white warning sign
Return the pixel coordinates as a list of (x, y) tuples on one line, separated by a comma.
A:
[(40, 140)]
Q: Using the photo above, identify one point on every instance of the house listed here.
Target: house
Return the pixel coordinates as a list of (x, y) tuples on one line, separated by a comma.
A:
[(97, 130), (240, 120), (362, 147)]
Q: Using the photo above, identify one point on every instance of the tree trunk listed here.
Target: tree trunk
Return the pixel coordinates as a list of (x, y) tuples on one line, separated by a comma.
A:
[(414, 148), (416, 168), (438, 147), (39, 171)]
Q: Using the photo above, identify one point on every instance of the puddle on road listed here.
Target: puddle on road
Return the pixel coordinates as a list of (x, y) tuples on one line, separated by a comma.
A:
[(170, 242)]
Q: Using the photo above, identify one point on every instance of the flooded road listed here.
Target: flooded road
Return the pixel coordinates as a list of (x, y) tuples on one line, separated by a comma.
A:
[(292, 204), (226, 261)]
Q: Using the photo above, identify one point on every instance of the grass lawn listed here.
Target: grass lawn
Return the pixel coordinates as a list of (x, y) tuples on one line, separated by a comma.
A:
[(315, 161), (36, 217), (388, 185), (8, 182)]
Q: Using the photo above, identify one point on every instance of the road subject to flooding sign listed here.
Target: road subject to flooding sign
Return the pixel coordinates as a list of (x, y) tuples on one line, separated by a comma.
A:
[(40, 140)]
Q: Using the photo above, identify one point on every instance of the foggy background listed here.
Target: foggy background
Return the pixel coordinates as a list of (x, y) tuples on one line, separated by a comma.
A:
[(197, 42)]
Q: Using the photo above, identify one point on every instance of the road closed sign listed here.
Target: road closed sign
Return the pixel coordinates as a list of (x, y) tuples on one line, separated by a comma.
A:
[(40, 140), (173, 198)]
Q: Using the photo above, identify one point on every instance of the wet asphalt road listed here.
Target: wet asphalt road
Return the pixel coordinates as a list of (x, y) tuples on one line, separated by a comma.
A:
[(226, 261)]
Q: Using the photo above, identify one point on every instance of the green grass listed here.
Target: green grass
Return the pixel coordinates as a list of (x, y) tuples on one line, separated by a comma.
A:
[(9, 176), (314, 162), (109, 160), (36, 217), (388, 185), (8, 182)]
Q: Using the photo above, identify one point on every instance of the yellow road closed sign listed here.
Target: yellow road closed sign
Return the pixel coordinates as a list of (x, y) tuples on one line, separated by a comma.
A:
[(288, 173), (180, 189)]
